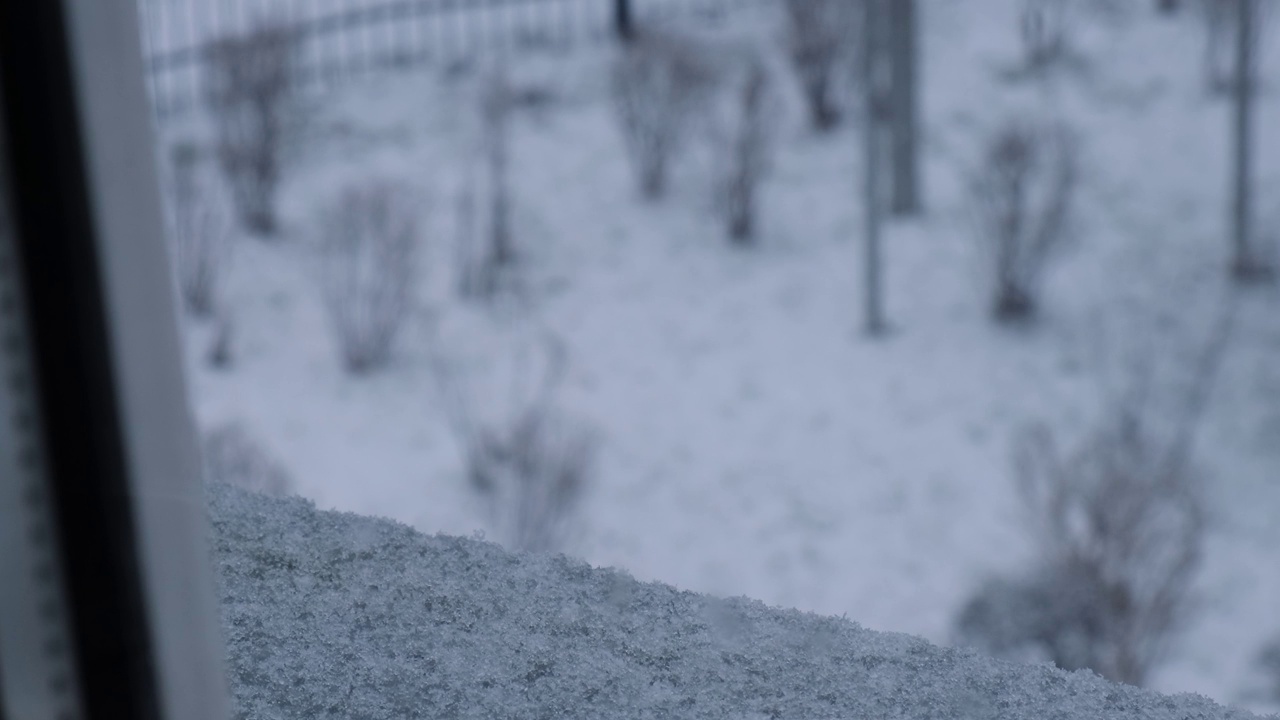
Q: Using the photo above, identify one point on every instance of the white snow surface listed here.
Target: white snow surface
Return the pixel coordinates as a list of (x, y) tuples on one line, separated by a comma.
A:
[(337, 615)]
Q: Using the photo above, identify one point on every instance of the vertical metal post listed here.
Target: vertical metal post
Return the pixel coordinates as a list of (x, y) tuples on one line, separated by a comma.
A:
[(623, 22), (904, 57), (876, 109), (1245, 266)]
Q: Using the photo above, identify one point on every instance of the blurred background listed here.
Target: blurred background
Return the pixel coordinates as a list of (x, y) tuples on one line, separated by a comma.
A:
[(954, 317)]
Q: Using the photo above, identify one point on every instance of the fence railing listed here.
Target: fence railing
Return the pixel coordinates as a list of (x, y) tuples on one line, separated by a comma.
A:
[(338, 39)]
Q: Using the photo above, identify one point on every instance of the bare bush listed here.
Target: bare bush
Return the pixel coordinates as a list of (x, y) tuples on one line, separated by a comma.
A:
[(532, 465), (201, 232), (1044, 30), (1120, 531), (820, 34), (659, 82), (368, 267), (1127, 520), (1023, 198), (748, 146), (247, 86), (232, 456), (533, 476), (1118, 523), (1054, 615)]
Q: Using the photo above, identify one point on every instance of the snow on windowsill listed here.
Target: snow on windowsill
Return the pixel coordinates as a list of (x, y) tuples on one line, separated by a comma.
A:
[(336, 615)]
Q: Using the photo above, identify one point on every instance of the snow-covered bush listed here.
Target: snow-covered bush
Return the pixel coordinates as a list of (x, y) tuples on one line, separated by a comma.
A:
[(368, 267), (530, 463), (232, 456), (1023, 196), (819, 36), (747, 147), (659, 83), (247, 85), (1118, 524), (201, 230)]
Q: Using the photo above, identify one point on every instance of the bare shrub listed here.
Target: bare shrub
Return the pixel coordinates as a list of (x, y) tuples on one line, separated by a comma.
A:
[(533, 476), (530, 466), (820, 34), (1118, 523), (1023, 197), (659, 82), (1127, 520), (1044, 30), (247, 84), (201, 231), (1120, 531), (368, 267), (748, 145), (232, 456)]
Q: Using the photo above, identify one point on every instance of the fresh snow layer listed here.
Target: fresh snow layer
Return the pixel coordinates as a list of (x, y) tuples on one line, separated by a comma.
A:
[(337, 615)]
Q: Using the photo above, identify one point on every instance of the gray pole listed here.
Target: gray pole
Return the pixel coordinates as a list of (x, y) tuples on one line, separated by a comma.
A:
[(875, 108), (1245, 266), (904, 57), (622, 21)]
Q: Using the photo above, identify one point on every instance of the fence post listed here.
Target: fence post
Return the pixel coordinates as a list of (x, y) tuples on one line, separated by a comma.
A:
[(622, 20), (904, 38)]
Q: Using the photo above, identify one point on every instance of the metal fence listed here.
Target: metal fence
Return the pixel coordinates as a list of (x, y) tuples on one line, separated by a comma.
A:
[(339, 39)]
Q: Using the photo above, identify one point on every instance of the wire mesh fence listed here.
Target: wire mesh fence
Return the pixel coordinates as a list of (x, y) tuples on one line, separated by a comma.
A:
[(336, 40)]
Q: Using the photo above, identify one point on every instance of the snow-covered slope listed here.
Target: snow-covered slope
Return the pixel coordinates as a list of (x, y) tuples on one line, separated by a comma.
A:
[(335, 615)]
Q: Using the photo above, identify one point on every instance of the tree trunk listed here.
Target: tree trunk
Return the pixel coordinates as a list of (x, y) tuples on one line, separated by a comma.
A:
[(904, 58)]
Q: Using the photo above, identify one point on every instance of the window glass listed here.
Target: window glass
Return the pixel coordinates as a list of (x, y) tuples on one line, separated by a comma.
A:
[(953, 319)]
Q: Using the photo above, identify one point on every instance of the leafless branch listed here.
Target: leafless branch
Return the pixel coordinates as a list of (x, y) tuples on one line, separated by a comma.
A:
[(1023, 196), (820, 36), (530, 466), (247, 84), (659, 82), (369, 254)]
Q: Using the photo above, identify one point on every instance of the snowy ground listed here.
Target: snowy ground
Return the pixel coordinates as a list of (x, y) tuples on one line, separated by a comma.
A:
[(368, 619), (754, 443)]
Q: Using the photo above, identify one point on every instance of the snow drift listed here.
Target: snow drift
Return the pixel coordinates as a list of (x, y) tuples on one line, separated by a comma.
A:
[(336, 615)]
